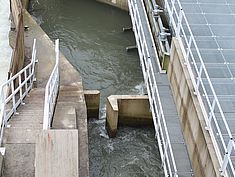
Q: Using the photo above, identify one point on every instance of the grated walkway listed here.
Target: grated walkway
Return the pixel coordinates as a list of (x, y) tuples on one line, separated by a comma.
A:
[(180, 153)]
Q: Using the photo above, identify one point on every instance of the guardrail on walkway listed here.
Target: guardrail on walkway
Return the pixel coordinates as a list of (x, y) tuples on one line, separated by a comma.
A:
[(200, 79), (168, 161), (51, 91), (14, 91)]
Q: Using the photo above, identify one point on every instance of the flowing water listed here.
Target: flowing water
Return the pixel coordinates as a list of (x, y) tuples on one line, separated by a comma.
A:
[(92, 39)]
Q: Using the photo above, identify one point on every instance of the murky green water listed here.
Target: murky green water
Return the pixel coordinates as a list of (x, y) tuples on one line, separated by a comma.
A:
[(91, 38)]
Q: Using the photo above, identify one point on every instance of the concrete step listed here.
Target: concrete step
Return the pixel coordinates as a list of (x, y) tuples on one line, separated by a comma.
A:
[(35, 91), (26, 125), (70, 93), (20, 135), (76, 87), (64, 117), (26, 119), (75, 99), (29, 107)]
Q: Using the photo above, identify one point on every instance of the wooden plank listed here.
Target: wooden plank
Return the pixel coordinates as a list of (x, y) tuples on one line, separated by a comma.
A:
[(57, 154)]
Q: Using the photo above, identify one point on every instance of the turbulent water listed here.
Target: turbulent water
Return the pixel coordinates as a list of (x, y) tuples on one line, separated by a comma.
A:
[(91, 37)]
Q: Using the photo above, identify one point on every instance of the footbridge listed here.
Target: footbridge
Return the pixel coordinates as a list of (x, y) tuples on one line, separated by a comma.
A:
[(198, 100)]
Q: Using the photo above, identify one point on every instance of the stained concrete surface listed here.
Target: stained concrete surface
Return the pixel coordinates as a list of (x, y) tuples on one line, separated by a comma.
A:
[(6, 51)]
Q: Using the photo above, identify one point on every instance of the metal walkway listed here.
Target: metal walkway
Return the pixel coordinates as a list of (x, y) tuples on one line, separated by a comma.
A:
[(166, 121), (205, 30)]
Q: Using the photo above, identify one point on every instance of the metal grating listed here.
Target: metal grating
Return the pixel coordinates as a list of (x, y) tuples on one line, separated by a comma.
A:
[(212, 24)]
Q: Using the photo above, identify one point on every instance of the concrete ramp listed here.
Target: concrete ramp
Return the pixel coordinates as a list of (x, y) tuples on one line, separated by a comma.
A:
[(57, 154)]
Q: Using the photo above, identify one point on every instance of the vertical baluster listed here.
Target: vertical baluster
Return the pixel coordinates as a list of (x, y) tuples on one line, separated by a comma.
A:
[(25, 79), (20, 86), (13, 96), (189, 48)]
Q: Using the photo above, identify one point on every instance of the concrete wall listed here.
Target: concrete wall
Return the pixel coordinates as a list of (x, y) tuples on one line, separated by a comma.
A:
[(122, 4), (6, 50), (131, 110), (201, 151)]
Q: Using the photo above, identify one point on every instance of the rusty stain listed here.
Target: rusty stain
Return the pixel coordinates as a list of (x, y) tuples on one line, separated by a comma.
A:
[(49, 138)]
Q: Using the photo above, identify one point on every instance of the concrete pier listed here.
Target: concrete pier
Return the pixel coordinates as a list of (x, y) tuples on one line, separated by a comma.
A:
[(92, 98)]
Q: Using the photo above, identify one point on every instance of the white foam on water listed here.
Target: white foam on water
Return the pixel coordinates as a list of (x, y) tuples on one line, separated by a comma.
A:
[(140, 88), (5, 49)]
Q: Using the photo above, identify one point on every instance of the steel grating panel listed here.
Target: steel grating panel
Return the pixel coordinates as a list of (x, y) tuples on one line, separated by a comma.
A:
[(205, 29)]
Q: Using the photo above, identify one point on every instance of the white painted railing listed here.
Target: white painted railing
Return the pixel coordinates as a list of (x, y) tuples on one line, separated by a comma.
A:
[(13, 91), (167, 157), (51, 91), (224, 146)]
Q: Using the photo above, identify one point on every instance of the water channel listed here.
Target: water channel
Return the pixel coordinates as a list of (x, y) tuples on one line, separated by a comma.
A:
[(91, 38)]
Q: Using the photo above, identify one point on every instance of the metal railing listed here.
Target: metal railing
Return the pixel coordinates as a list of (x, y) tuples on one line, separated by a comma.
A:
[(212, 111), (14, 91), (167, 157), (51, 91)]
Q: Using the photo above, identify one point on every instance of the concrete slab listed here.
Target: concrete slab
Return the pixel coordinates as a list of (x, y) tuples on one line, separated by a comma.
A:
[(64, 118), (57, 154)]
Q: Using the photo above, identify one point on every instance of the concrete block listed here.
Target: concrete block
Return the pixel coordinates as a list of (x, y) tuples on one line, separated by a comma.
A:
[(92, 98), (111, 116)]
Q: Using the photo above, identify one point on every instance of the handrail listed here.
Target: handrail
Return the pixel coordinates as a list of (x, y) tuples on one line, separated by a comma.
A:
[(191, 53), (51, 91), (166, 153), (18, 87)]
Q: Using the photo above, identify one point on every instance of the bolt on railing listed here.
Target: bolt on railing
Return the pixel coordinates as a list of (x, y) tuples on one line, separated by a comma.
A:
[(14, 90), (166, 153), (51, 91), (200, 79)]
